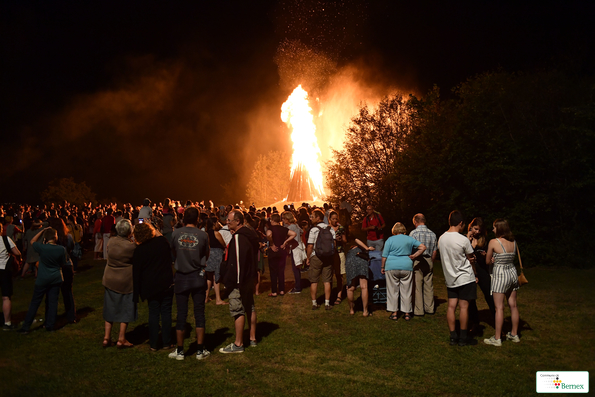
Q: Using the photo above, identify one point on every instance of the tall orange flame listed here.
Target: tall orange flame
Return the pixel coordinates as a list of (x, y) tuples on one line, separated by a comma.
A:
[(297, 114)]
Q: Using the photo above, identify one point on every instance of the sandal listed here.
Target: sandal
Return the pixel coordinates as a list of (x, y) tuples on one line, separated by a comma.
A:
[(407, 317), (124, 344), (107, 342), (393, 317), (271, 295), (338, 301)]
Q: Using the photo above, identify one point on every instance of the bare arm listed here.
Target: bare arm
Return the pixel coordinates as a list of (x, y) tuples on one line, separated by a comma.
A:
[(219, 238), (36, 237), (383, 265), (472, 260), (290, 236), (309, 249), (364, 246), (420, 250), (434, 255), (490, 254)]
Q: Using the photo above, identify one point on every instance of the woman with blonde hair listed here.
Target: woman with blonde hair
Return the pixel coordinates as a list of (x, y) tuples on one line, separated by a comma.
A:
[(501, 253), (297, 252), (397, 264)]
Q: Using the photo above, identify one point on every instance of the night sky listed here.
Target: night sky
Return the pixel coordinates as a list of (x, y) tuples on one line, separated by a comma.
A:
[(158, 99)]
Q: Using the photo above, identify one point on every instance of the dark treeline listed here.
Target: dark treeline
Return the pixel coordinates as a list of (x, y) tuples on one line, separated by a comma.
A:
[(513, 145)]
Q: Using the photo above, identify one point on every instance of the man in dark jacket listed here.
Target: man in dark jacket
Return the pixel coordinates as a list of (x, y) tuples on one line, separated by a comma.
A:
[(239, 275)]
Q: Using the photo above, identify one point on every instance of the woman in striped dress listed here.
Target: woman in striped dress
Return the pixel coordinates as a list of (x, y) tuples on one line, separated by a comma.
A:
[(501, 253)]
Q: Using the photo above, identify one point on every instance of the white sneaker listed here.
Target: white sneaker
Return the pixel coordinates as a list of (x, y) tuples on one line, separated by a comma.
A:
[(201, 355), (512, 338), (176, 355), (493, 341)]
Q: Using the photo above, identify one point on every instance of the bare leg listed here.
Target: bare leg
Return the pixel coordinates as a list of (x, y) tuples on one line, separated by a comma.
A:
[(363, 283), (25, 268), (257, 284), (122, 335), (218, 299), (450, 313), (499, 303), (6, 308), (108, 331), (180, 337), (514, 313), (327, 291), (253, 326), (209, 284), (350, 291), (313, 288), (464, 314), (239, 326)]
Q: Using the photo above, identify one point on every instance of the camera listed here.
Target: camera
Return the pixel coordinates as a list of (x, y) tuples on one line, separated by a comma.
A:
[(141, 220)]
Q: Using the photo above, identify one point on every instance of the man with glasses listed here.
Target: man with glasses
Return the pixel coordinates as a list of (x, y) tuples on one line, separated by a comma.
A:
[(239, 275), (373, 224)]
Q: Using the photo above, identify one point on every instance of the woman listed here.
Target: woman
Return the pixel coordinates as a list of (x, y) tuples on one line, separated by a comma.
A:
[(66, 240), (98, 250), (357, 272), (501, 253), (476, 233), (76, 231), (153, 281), (278, 237), (298, 253), (118, 303), (339, 256), (31, 255), (217, 246), (168, 219), (52, 258), (397, 264)]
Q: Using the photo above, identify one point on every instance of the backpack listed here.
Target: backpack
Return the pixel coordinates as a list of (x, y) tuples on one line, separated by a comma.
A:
[(325, 242)]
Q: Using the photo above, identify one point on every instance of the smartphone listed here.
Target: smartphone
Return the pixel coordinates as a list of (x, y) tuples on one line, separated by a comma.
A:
[(140, 220)]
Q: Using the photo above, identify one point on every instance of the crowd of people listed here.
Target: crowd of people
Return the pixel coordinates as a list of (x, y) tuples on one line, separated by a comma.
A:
[(213, 246)]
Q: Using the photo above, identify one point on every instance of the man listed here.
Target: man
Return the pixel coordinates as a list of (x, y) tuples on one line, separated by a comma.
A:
[(373, 224), (319, 265), (190, 247), (107, 222), (7, 248), (458, 265), (239, 275), (146, 212), (423, 267)]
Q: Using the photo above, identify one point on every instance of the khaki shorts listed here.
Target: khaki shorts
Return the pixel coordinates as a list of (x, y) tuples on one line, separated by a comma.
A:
[(238, 303), (322, 267)]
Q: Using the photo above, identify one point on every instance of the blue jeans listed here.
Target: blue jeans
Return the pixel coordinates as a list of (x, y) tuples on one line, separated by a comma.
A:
[(51, 292), (160, 306)]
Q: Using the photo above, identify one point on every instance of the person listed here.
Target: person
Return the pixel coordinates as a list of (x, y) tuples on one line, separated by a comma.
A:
[(31, 255), (98, 250), (153, 281), (52, 258), (297, 253), (501, 253), (76, 231), (423, 267), (118, 303), (476, 234), (458, 265), (107, 222), (320, 266), (339, 255), (168, 219), (146, 212), (217, 249), (8, 249), (67, 241), (278, 237), (190, 246), (239, 275), (373, 224), (397, 265), (356, 269)]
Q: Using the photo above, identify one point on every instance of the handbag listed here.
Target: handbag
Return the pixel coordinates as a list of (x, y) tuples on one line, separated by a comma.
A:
[(522, 279)]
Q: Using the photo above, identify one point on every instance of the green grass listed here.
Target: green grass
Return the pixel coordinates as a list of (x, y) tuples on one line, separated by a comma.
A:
[(305, 352)]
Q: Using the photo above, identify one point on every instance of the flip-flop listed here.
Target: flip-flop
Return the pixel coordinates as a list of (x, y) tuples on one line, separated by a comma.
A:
[(272, 296)]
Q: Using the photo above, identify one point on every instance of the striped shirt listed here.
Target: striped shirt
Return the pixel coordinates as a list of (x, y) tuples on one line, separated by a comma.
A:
[(426, 237)]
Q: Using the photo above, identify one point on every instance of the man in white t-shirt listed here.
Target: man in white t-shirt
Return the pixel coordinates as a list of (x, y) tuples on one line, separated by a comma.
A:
[(7, 247), (458, 264)]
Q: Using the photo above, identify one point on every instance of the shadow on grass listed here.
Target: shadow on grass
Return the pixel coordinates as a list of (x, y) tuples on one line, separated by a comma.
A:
[(263, 330), (212, 341)]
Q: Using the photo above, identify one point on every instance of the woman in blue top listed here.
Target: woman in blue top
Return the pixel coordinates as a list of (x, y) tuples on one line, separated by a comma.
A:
[(397, 265)]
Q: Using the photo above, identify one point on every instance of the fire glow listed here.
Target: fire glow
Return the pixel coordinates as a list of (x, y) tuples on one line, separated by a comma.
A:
[(297, 114)]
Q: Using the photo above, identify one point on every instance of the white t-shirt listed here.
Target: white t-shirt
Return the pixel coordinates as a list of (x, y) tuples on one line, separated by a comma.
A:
[(5, 256), (457, 269), (314, 235)]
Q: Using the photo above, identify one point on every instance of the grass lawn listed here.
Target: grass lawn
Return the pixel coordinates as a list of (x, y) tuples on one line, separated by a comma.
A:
[(305, 352)]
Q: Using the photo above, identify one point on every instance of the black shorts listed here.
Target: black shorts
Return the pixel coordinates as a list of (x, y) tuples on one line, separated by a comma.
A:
[(6, 280), (467, 292)]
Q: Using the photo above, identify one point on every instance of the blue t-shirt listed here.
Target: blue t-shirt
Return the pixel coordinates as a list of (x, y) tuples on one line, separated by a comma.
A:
[(397, 250), (51, 259)]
